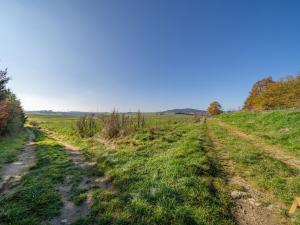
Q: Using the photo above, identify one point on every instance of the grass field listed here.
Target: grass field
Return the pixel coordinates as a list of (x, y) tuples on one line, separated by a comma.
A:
[(167, 172), (278, 127), (162, 173)]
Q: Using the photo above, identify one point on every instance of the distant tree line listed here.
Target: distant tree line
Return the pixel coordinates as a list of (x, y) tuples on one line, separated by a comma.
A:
[(267, 94), (12, 116)]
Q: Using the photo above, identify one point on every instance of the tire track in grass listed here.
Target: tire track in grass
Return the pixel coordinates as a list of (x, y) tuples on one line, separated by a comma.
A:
[(13, 172), (251, 205), (276, 151), (70, 211)]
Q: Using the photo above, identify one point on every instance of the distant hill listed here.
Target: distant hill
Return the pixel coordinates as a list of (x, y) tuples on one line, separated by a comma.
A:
[(54, 113), (185, 111)]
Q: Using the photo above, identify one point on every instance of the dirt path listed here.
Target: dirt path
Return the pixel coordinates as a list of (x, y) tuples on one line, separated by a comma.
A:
[(71, 212), (251, 206), (274, 150), (13, 172)]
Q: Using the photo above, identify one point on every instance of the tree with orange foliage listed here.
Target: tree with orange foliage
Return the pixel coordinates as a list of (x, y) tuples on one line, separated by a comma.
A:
[(253, 102), (214, 108), (267, 94), (12, 116)]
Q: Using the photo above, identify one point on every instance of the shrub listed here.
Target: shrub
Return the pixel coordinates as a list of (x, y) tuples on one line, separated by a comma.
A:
[(87, 126), (112, 126), (117, 124)]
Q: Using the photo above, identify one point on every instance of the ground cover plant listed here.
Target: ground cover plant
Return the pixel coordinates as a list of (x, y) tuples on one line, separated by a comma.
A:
[(162, 173), (278, 127), (11, 146)]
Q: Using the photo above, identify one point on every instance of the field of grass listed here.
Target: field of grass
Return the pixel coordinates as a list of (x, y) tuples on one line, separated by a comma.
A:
[(163, 173), (265, 171), (166, 172), (36, 199), (277, 127), (11, 146)]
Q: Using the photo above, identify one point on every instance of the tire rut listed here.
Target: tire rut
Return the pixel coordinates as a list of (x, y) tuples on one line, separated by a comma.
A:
[(275, 151), (251, 206), (70, 212), (13, 172)]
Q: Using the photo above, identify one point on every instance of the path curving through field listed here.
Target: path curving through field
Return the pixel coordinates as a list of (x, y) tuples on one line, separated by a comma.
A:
[(274, 150), (13, 172)]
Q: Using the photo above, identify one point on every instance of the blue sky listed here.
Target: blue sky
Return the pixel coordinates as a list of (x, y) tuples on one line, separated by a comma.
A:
[(145, 54)]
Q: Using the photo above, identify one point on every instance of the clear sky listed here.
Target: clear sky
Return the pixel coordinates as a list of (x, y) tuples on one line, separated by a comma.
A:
[(145, 54)]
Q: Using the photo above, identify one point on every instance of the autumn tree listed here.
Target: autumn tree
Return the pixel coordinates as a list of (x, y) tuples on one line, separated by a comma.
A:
[(214, 108), (253, 102), (267, 94), (12, 116)]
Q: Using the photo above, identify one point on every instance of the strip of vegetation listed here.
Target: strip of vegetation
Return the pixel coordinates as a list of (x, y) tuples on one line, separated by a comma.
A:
[(277, 127), (11, 146), (268, 173), (162, 173), (36, 199)]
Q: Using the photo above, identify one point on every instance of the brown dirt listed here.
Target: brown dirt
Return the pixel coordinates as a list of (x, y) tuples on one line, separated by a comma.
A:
[(13, 172), (71, 212), (275, 151), (251, 206)]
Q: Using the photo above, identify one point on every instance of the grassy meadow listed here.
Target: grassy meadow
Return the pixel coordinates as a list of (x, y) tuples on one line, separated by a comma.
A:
[(276, 127), (163, 173), (166, 172)]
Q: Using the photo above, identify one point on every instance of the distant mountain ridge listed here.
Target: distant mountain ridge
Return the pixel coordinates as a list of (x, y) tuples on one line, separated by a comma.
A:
[(186, 111)]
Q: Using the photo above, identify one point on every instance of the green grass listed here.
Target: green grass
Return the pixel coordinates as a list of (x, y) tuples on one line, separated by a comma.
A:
[(265, 171), (11, 146), (162, 174), (277, 127), (36, 198)]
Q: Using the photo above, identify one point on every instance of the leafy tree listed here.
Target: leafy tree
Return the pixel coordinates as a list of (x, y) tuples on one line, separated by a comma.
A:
[(267, 94), (253, 102), (12, 116), (3, 81), (17, 116), (4, 115), (214, 108)]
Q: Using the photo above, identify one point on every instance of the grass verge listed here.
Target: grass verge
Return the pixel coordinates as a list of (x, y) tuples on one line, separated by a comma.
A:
[(11, 146), (277, 127)]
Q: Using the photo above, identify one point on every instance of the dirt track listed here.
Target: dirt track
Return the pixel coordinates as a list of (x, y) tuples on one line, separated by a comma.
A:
[(275, 151), (251, 206), (69, 211), (13, 172)]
